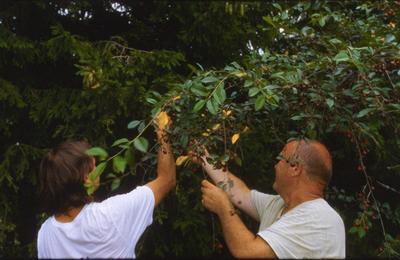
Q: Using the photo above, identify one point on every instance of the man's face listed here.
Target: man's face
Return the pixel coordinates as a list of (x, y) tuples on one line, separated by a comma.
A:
[(282, 168)]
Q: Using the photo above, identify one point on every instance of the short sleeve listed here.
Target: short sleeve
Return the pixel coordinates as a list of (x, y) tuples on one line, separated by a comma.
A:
[(267, 206), (131, 213)]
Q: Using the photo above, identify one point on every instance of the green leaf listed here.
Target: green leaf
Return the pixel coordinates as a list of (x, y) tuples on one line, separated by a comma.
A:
[(236, 65), (115, 184), (141, 127), (278, 75), (119, 163), (395, 106), (199, 90), (141, 144), (248, 83), (97, 171), (341, 56), (330, 102), (212, 107), (260, 101), (335, 41), (322, 20), (120, 141), (269, 20), (277, 6), (199, 105), (209, 79), (133, 124), (306, 30), (364, 112), (296, 118), (353, 230), (361, 233), (155, 111), (130, 157), (151, 101), (219, 94), (97, 151), (253, 91), (389, 38)]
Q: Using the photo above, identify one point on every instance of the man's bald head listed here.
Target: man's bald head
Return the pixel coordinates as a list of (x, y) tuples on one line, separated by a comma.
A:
[(315, 158)]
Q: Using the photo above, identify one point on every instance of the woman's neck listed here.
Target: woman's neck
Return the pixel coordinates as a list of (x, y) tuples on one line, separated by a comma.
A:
[(69, 215)]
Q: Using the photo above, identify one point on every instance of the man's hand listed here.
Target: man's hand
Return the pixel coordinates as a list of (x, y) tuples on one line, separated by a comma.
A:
[(198, 159), (215, 199)]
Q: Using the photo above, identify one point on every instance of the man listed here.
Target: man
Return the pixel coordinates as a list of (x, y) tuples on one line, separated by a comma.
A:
[(79, 228), (297, 223)]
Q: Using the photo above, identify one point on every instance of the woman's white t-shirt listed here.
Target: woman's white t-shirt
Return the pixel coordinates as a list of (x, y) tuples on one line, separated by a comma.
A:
[(109, 229)]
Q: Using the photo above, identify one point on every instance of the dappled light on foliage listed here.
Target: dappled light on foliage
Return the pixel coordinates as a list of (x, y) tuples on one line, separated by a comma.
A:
[(239, 78)]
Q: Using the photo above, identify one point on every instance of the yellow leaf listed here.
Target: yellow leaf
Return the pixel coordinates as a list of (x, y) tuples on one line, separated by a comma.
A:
[(181, 159), (216, 126), (205, 134), (176, 98), (227, 112), (240, 74), (162, 119), (235, 137), (245, 129)]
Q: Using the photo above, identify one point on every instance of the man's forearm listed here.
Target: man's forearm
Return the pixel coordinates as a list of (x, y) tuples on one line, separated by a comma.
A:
[(242, 243), (239, 193)]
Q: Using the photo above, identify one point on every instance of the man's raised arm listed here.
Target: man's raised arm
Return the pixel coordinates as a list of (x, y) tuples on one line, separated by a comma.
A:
[(237, 190)]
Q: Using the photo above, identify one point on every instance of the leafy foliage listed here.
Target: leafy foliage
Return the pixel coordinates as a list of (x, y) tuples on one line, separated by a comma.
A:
[(240, 78)]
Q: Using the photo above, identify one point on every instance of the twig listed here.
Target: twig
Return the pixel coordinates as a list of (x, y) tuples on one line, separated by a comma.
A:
[(390, 80), (387, 187), (368, 184)]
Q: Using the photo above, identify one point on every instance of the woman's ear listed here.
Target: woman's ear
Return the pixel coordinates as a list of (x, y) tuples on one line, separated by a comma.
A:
[(93, 164)]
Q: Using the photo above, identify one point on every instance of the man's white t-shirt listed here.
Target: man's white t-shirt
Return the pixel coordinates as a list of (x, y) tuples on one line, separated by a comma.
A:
[(312, 229), (109, 229)]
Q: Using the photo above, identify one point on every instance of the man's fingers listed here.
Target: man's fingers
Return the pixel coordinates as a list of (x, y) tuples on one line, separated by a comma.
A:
[(206, 184)]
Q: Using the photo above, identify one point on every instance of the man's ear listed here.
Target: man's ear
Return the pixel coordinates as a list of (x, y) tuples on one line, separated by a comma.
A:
[(296, 169)]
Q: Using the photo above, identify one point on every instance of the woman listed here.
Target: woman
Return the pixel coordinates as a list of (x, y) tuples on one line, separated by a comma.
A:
[(80, 228)]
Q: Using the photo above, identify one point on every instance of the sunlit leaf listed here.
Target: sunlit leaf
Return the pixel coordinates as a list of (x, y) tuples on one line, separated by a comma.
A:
[(260, 101), (141, 144), (133, 124), (97, 151), (120, 141), (181, 159), (162, 119), (119, 163), (235, 138), (212, 107), (115, 184), (198, 106)]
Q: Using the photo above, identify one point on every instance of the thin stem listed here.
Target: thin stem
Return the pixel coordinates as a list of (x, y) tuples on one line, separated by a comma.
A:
[(371, 193)]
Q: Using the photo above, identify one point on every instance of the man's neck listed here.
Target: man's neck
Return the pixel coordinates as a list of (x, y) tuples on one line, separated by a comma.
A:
[(68, 216), (296, 198)]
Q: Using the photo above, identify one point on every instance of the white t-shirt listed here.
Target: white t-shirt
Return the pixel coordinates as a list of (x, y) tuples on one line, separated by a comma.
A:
[(312, 229), (109, 229)]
